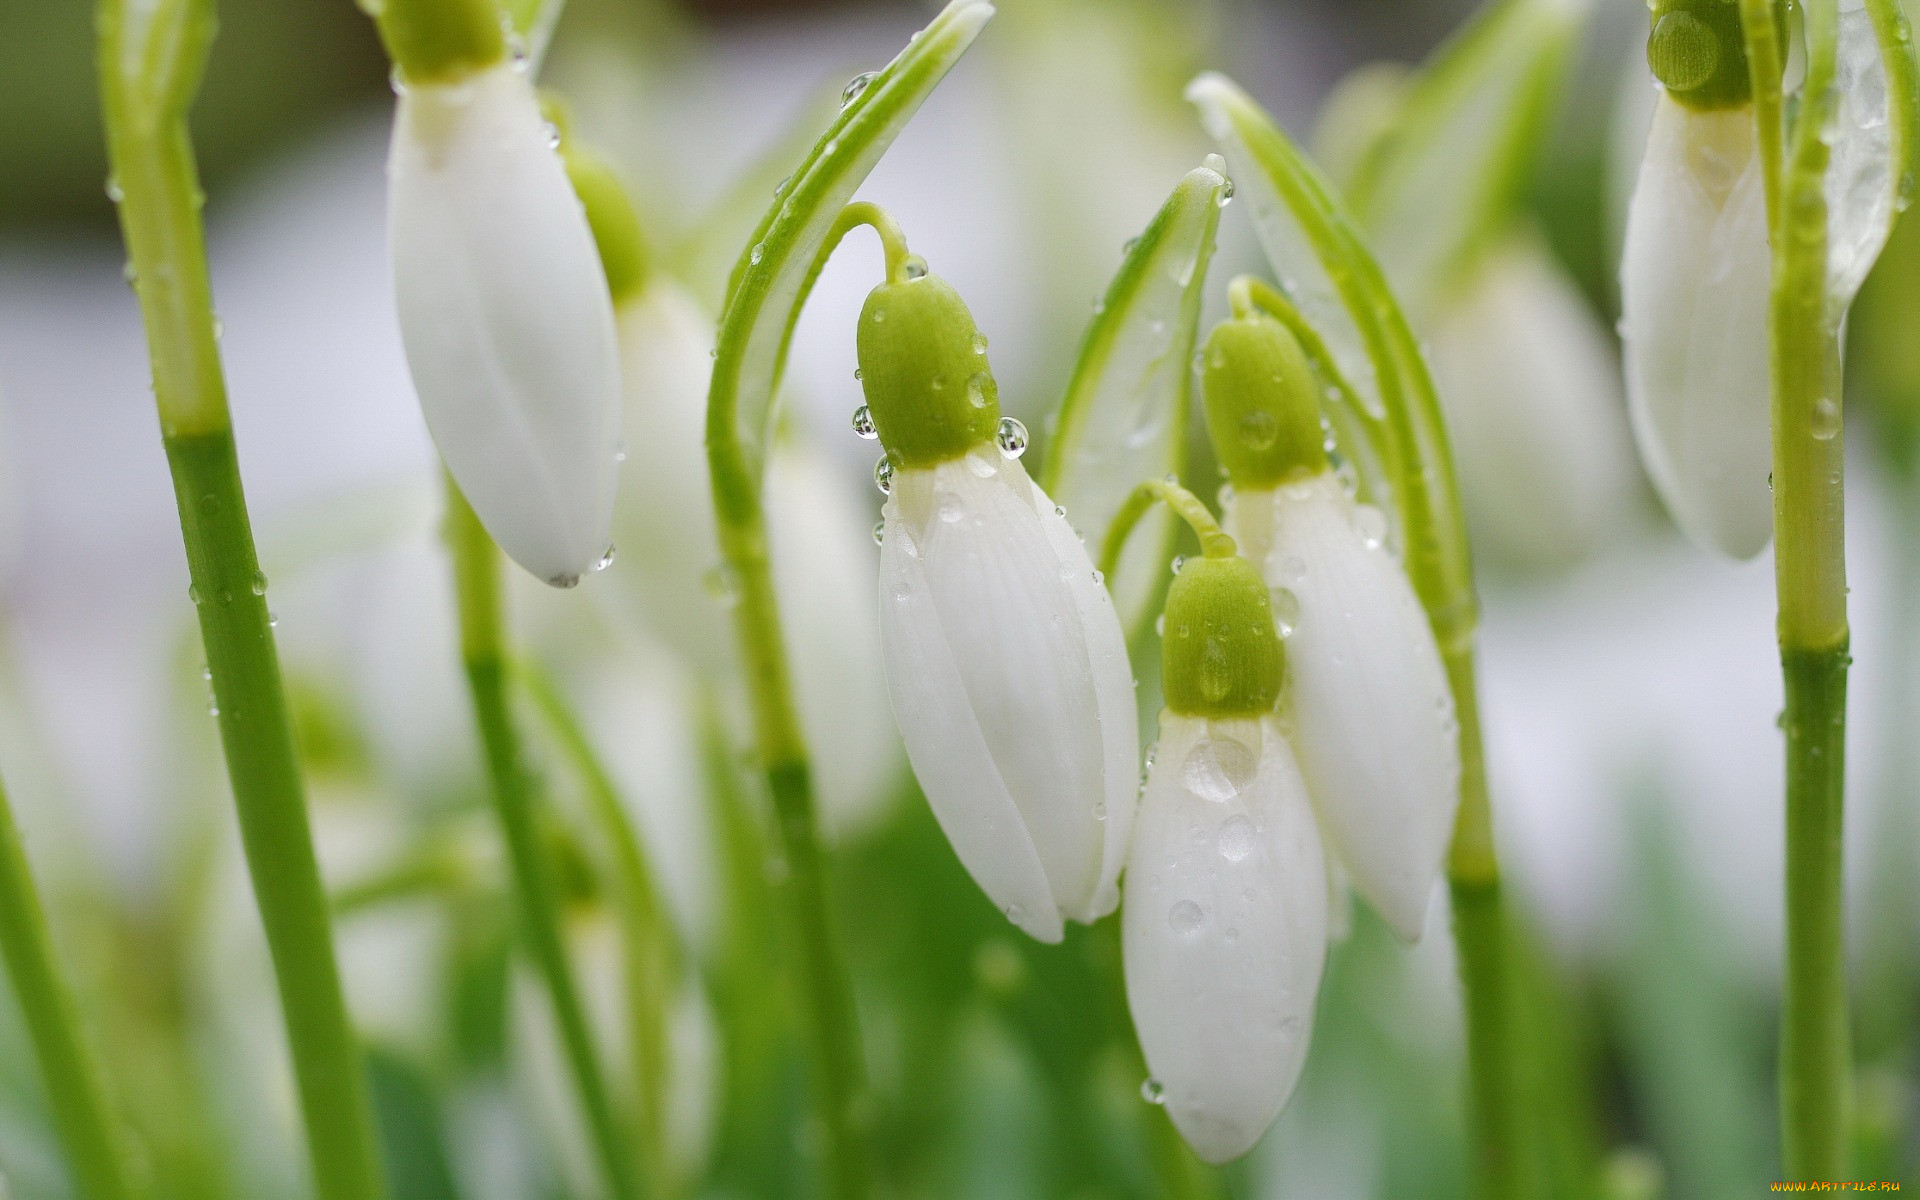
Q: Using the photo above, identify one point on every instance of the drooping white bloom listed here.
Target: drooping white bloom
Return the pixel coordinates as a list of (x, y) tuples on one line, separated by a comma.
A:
[(1372, 714), (1010, 683), (1694, 286), (823, 557), (1534, 414), (506, 319), (1225, 927)]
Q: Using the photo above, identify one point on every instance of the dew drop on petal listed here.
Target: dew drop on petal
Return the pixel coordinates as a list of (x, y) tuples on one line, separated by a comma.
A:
[(722, 585), (883, 474), (1014, 913), (1100, 811), (1236, 838), (1153, 1092), (863, 423), (1826, 419), (879, 533), (1286, 611), (1226, 192), (1011, 437), (1292, 570), (951, 507), (1186, 917), (855, 86), (563, 581), (1218, 768), (979, 387), (758, 252), (915, 267), (1259, 429), (605, 560), (259, 584), (979, 343), (1371, 524), (1178, 562)]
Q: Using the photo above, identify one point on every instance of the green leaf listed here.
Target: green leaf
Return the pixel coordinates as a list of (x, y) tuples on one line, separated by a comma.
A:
[(1435, 189), (1338, 287), (1125, 415), (777, 268)]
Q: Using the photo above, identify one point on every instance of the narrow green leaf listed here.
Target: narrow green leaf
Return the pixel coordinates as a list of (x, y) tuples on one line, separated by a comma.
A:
[(775, 271), (1125, 415), (1445, 178)]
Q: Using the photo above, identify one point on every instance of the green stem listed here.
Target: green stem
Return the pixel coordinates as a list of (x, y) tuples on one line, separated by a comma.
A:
[(95, 1149), (1810, 581), (478, 587), (150, 62), (652, 965), (833, 1041), (1214, 543)]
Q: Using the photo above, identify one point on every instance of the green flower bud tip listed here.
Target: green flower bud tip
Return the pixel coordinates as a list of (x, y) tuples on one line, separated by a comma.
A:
[(924, 370), (1220, 654), (1698, 52), (1262, 402), (442, 41), (610, 212)]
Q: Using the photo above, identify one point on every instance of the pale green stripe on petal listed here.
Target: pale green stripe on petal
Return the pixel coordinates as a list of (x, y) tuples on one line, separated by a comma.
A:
[(1125, 414)]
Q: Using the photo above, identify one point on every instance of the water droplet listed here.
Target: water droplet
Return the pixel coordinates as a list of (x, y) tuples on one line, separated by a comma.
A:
[(1129, 244), (1014, 913), (1059, 510), (620, 453), (780, 189), (1179, 560), (114, 193), (1826, 419), (722, 585), (1011, 437), (130, 274), (259, 584), (980, 388), (1160, 625), (950, 507), (563, 581), (1099, 578), (273, 619), (1186, 917), (1100, 812), (1218, 768), (879, 533), (1291, 571), (758, 252), (1226, 192), (914, 267), (605, 560), (213, 707), (193, 592), (832, 145), (1233, 935), (1153, 1092), (1236, 838), (1286, 611), (863, 423), (879, 315), (1371, 524), (397, 81), (1259, 429), (553, 135), (855, 86), (979, 343), (883, 474)]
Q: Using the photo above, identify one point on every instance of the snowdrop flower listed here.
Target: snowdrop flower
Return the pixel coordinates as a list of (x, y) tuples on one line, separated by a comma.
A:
[(1225, 928), (504, 308), (1532, 390), (1367, 695), (1694, 284), (1004, 657)]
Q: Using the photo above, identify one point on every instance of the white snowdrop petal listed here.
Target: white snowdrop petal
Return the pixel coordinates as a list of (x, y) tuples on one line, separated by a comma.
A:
[(1117, 713), (1533, 397), (1225, 928), (1860, 183), (946, 744), (1373, 717), (1694, 285), (505, 317)]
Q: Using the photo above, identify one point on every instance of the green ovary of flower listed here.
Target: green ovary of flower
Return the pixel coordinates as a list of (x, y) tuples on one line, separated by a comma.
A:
[(1221, 655), (923, 368), (1698, 52), (1262, 403), (442, 41)]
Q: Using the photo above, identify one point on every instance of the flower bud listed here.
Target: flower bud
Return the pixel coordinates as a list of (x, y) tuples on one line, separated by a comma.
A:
[(1005, 661), (923, 369), (1224, 933), (505, 315), (1262, 407)]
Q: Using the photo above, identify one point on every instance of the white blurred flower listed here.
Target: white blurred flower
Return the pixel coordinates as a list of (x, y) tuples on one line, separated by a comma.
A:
[(506, 318), (1533, 394), (1366, 693), (1694, 285), (1225, 927)]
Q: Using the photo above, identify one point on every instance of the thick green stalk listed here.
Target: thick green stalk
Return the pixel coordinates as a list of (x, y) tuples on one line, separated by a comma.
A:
[(1811, 584), (150, 61), (478, 590), (86, 1124)]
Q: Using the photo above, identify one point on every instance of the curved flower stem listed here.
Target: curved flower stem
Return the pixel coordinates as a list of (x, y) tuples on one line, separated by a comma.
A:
[(95, 1149), (150, 60), (477, 584), (1214, 543)]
